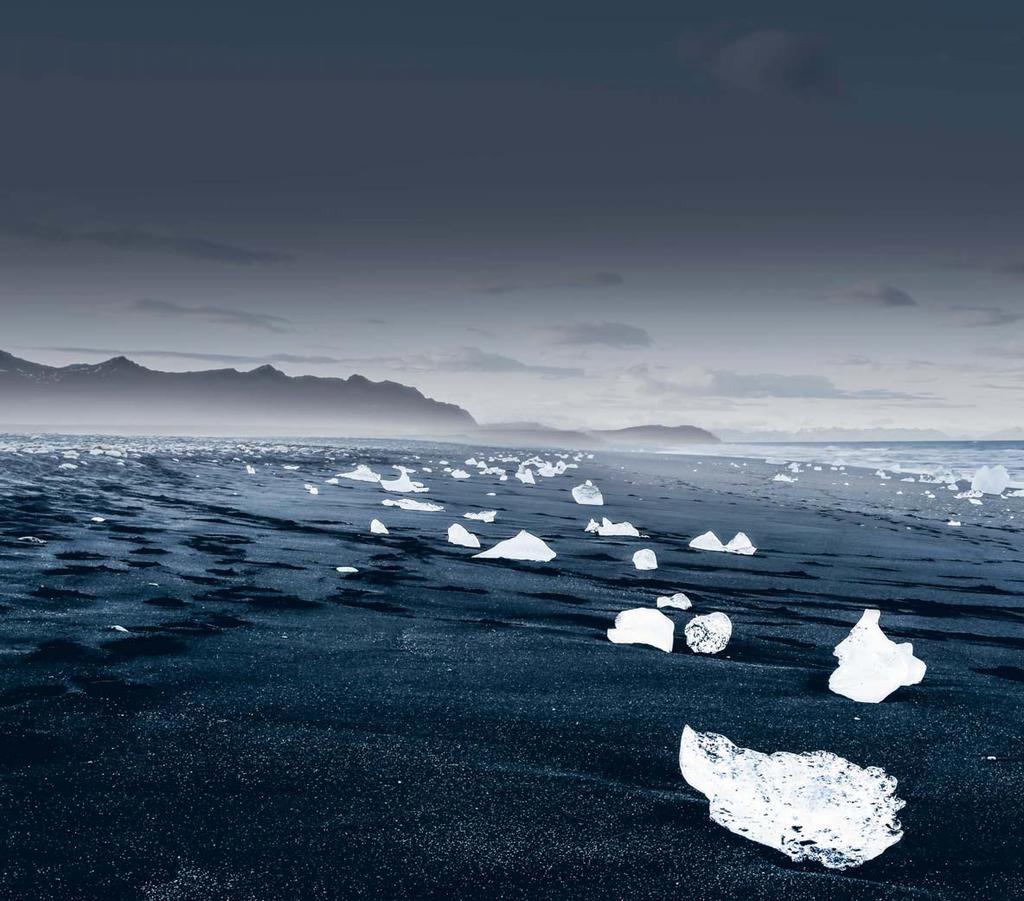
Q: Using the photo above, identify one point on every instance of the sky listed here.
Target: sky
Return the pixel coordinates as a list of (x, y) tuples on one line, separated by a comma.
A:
[(742, 216)]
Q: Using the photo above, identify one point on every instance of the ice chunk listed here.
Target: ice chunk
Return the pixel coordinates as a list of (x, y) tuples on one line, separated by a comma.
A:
[(345, 570), (871, 667), (121, 629), (250, 469), (378, 528), (782, 477), (362, 473), (645, 559), (522, 546), (709, 541), (677, 601), (403, 484), (588, 493), (740, 544), (815, 806), (608, 529), (482, 515), (991, 480), (96, 519), (459, 534), (953, 522), (708, 634), (643, 625), (31, 539), (525, 476), (312, 489), (407, 503), (460, 474)]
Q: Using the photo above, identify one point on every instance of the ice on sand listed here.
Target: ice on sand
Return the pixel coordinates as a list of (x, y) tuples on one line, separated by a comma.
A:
[(481, 515), (407, 503), (709, 541), (345, 570), (362, 473), (708, 634), (378, 528), (645, 559), (677, 601), (871, 666), (643, 625), (991, 480), (606, 528), (522, 546), (588, 493), (460, 535), (815, 806)]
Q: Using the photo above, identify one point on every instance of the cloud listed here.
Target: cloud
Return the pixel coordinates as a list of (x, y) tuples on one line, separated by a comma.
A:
[(969, 316), (768, 62), (222, 315), (876, 294), (141, 241), (473, 359), (619, 335), (591, 280), (763, 385)]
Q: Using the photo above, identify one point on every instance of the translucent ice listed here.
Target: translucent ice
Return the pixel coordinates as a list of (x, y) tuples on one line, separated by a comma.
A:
[(708, 634), (677, 601), (588, 493), (815, 806), (522, 546), (991, 480), (871, 667), (643, 625)]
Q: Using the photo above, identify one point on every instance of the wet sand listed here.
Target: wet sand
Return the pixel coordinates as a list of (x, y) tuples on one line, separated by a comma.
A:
[(442, 727)]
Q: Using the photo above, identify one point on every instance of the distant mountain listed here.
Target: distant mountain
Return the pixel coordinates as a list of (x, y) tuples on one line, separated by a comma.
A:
[(1012, 434), (122, 395), (826, 435), (650, 437)]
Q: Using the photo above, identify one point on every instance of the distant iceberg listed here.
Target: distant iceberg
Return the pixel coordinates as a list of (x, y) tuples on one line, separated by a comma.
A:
[(871, 666), (643, 625), (588, 493), (815, 806), (522, 546)]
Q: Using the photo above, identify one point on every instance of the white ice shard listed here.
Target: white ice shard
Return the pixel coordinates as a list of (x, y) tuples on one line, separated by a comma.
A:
[(588, 493), (991, 480), (740, 544), (643, 625), (460, 535), (378, 528), (312, 489), (250, 469), (482, 515), (815, 806), (677, 601), (607, 529), (645, 559), (345, 570), (525, 476), (953, 522), (708, 634), (709, 541), (97, 519), (522, 546), (362, 473), (460, 474), (782, 477), (403, 484), (407, 503), (871, 667)]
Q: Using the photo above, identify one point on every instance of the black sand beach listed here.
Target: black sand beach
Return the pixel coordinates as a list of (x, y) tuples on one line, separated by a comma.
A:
[(441, 727)]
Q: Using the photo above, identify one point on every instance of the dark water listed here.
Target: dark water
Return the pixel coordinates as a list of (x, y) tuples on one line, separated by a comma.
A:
[(442, 727)]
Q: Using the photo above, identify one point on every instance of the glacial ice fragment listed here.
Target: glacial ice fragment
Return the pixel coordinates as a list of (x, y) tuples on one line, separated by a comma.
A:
[(740, 544), (362, 473), (522, 546), (871, 666), (709, 541), (815, 806), (643, 625), (378, 528), (407, 503), (708, 634), (403, 484), (645, 559), (606, 528), (588, 493), (460, 535), (991, 480), (677, 601), (345, 570), (482, 515)]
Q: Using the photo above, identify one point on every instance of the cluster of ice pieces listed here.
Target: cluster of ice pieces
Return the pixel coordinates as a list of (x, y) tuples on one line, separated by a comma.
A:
[(606, 528), (871, 666), (709, 541), (816, 806)]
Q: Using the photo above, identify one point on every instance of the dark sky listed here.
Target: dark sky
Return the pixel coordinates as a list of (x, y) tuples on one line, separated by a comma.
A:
[(742, 215)]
